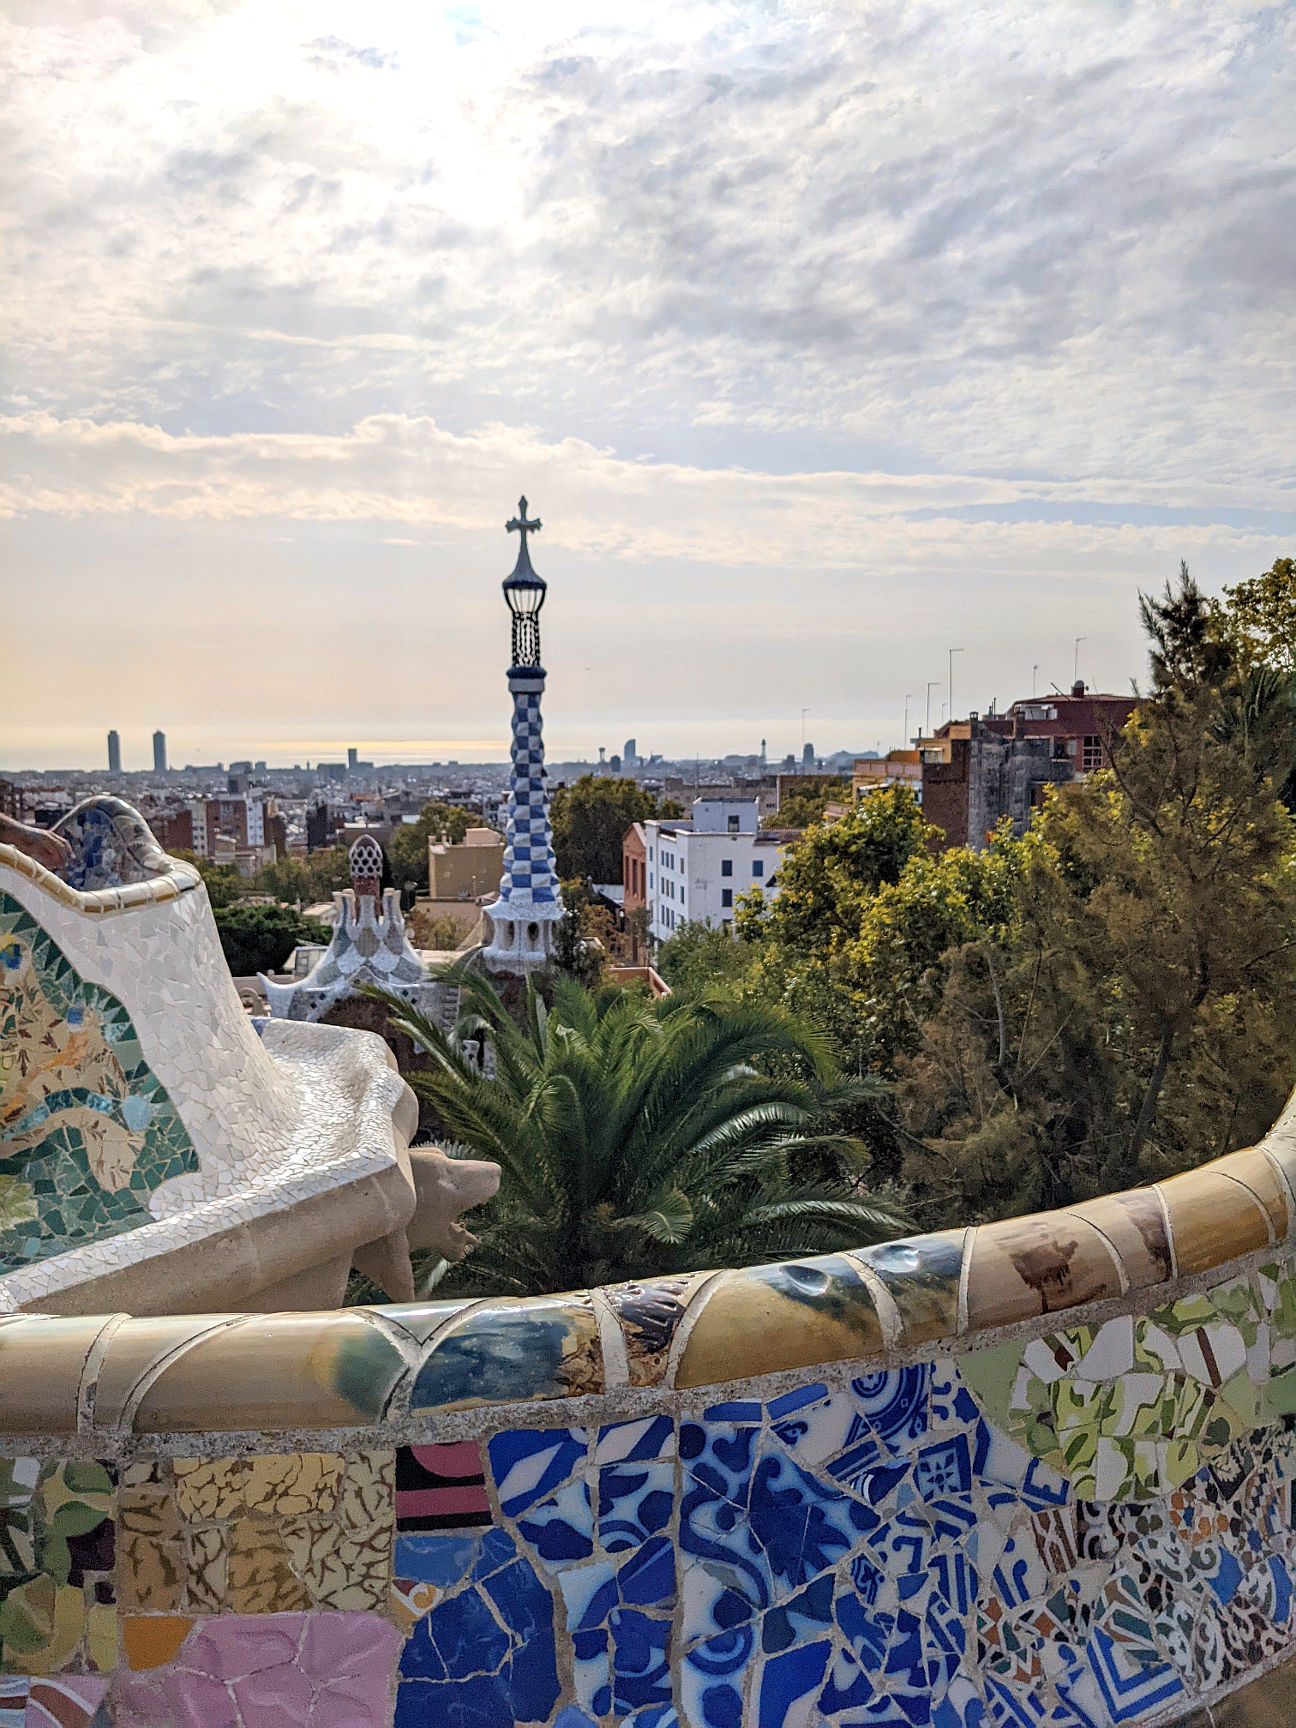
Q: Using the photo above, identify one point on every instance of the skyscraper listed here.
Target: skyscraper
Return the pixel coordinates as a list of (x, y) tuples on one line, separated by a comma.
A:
[(353, 757), (522, 920), (114, 753), (630, 753), (159, 753)]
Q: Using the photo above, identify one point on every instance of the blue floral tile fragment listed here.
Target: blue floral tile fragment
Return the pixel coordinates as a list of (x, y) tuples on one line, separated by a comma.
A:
[(528, 1463), (561, 1528), (950, 1403), (893, 1402), (711, 1679), (641, 1674), (636, 1482)]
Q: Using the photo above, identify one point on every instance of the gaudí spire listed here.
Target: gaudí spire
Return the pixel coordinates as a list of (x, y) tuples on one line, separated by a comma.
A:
[(529, 906)]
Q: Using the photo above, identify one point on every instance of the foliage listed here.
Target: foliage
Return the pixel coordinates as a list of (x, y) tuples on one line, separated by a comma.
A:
[(407, 850), (865, 912), (308, 880), (260, 938), (640, 1137), (1134, 1016), (703, 957), (803, 806), (223, 883), (582, 939), (441, 933), (590, 819), (1262, 614), (827, 878)]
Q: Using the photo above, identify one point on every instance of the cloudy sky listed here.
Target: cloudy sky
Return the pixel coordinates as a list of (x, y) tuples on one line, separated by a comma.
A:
[(824, 338)]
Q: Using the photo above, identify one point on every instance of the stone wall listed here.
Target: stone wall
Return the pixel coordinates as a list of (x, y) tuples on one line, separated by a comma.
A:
[(1036, 1473)]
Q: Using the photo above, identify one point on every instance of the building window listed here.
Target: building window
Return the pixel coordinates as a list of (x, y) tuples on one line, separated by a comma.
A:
[(726, 866), (733, 824), (726, 896), (1092, 753), (758, 866)]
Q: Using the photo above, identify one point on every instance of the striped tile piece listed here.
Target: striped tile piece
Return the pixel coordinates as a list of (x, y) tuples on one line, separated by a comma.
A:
[(67, 1701), (13, 1700), (441, 1487)]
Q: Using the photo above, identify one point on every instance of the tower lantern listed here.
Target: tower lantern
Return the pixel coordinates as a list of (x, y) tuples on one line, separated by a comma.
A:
[(523, 919)]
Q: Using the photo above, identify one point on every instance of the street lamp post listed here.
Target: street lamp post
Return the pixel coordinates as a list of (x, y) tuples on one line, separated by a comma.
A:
[(952, 653)]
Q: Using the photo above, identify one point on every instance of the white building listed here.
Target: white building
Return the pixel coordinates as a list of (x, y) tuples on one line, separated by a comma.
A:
[(697, 869)]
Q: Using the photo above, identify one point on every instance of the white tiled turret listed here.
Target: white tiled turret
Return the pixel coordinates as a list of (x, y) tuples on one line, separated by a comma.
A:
[(524, 917)]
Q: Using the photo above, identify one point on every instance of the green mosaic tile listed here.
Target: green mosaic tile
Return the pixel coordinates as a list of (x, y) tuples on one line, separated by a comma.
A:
[(86, 1130)]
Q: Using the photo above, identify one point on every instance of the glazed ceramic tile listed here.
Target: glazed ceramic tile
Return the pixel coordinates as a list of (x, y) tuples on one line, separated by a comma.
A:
[(1212, 1219), (770, 1317), (321, 1670), (549, 1349), (1135, 1226), (1032, 1266), (649, 1315), (922, 1275), (86, 1128), (330, 1368), (57, 1561), (1258, 1175)]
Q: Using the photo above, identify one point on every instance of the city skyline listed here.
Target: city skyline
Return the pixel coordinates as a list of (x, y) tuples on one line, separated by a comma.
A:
[(812, 373)]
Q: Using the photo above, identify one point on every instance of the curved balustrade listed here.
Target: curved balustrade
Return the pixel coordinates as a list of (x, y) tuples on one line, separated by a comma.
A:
[(1033, 1473)]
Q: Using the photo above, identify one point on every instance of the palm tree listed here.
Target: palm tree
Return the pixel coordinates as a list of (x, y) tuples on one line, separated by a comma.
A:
[(639, 1137)]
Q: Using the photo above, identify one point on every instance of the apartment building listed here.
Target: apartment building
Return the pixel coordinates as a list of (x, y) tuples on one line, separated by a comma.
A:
[(696, 869)]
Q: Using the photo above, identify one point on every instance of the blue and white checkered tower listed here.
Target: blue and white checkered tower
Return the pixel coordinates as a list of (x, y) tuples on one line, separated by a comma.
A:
[(524, 917)]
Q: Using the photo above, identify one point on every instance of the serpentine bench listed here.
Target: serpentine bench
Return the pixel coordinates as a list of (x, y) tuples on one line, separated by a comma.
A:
[(1037, 1472)]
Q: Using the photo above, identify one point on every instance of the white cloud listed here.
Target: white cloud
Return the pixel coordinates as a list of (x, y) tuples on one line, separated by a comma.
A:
[(926, 297)]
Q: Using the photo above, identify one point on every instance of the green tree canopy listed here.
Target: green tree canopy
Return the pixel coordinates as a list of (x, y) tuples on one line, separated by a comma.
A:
[(829, 876), (804, 806), (223, 883), (1262, 612), (639, 1137), (590, 819), (260, 938), (310, 879), (704, 958), (1134, 1014)]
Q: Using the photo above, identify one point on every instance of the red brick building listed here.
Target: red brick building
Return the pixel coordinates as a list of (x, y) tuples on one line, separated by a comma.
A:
[(977, 771)]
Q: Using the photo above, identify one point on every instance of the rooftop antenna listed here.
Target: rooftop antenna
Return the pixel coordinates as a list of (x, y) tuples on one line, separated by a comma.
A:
[(1075, 671), (905, 733), (932, 684), (1054, 686), (1035, 679)]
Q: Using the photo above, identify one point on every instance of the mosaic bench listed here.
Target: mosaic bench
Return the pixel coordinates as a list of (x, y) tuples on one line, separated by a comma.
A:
[(1032, 1473), (155, 1153)]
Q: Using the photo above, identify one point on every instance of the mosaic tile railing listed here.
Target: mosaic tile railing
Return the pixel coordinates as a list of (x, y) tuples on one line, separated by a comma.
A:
[(1036, 1473)]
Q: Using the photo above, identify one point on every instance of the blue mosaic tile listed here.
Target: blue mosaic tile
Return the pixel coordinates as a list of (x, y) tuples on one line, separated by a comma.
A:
[(484, 1654), (787, 1678), (527, 1463)]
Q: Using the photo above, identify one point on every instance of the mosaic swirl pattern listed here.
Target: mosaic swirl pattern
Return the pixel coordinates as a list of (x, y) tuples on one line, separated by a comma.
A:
[(1081, 1526), (87, 1132)]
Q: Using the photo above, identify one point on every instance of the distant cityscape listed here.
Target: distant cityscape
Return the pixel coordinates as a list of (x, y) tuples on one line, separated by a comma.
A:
[(967, 773)]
